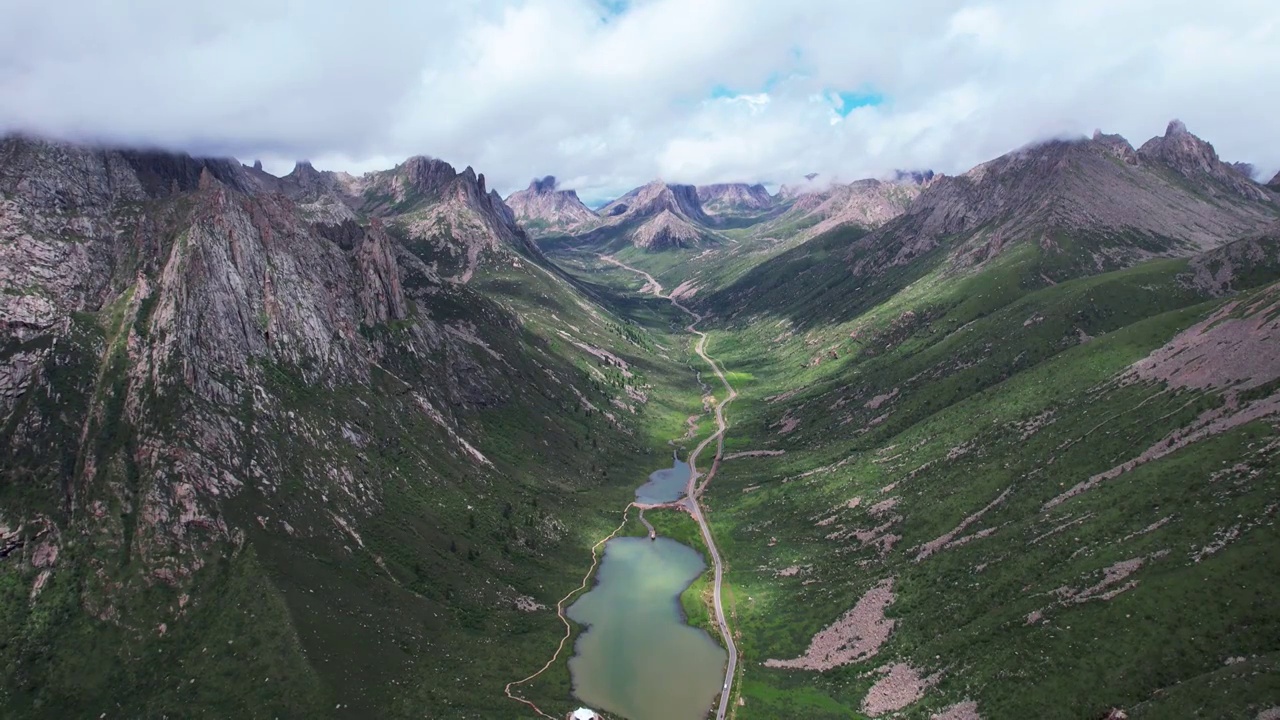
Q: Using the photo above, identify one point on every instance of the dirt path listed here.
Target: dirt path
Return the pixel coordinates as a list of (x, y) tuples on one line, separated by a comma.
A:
[(568, 629), (694, 490)]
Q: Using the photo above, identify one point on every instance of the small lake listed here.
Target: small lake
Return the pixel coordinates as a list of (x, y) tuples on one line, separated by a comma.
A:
[(666, 485), (638, 659)]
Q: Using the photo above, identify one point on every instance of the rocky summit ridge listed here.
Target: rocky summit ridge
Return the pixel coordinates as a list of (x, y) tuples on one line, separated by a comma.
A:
[(542, 208), (1172, 196)]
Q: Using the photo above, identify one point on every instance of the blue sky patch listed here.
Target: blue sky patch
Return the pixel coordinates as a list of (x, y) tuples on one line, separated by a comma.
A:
[(850, 100), (720, 92), (614, 8)]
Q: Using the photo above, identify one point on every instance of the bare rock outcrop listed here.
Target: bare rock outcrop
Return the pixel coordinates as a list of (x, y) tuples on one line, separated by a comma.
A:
[(855, 637)]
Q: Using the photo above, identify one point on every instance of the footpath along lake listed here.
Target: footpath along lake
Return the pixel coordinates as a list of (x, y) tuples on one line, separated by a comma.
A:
[(638, 659)]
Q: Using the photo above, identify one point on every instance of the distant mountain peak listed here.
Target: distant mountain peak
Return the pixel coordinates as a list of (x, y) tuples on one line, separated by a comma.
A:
[(723, 198), (654, 197), (542, 207)]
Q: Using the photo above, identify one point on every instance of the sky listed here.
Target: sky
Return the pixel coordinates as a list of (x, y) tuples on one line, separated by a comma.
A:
[(610, 94)]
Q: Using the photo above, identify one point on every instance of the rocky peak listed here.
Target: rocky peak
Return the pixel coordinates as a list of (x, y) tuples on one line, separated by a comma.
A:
[(1184, 153), (1181, 149), (1274, 183), (543, 207), (304, 169), (427, 175), (666, 230), (1077, 187), (865, 203), (305, 177), (650, 200), (730, 197), (1117, 145)]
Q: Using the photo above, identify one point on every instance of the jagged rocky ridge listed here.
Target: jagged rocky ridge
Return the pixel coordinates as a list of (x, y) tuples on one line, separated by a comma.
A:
[(1173, 196)]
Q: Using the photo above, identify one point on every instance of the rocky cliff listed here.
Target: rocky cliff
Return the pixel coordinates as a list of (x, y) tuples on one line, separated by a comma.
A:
[(225, 395)]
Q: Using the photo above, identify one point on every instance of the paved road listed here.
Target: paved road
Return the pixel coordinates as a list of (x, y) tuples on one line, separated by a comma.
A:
[(694, 490)]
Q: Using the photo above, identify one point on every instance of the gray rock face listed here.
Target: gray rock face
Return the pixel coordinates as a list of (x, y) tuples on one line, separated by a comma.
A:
[(1274, 183), (544, 209), (158, 298), (734, 198)]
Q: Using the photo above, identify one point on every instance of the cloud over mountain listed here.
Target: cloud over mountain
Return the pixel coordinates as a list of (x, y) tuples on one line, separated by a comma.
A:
[(609, 95)]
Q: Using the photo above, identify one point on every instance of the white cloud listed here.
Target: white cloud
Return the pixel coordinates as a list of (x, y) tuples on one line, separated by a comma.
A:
[(524, 88)]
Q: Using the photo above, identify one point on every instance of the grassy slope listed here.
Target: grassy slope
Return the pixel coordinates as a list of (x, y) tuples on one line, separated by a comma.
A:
[(973, 360)]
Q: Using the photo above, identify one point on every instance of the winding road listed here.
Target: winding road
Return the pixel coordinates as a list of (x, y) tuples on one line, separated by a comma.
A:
[(693, 491)]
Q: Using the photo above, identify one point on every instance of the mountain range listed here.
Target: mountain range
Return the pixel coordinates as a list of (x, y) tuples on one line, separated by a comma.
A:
[(1006, 443)]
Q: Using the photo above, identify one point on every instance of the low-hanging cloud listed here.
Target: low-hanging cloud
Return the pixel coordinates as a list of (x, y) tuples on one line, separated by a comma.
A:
[(687, 90)]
